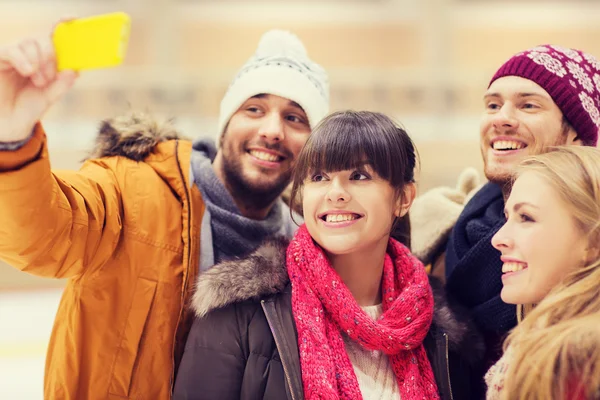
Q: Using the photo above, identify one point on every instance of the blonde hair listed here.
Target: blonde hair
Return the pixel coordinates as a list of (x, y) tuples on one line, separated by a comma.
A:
[(555, 349)]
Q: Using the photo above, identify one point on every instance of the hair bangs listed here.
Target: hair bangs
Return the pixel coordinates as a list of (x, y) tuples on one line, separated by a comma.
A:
[(345, 144)]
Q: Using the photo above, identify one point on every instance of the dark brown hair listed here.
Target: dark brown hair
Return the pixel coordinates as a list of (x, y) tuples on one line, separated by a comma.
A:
[(347, 140)]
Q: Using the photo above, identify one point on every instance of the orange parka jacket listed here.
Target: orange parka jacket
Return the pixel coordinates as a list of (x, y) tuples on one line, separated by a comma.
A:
[(125, 230)]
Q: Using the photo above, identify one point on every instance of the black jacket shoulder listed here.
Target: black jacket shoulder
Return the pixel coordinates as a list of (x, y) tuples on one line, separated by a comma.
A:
[(231, 352)]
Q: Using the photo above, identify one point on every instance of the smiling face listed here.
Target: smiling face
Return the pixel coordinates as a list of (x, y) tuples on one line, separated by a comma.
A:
[(259, 148), (540, 241), (350, 210), (355, 176), (520, 119)]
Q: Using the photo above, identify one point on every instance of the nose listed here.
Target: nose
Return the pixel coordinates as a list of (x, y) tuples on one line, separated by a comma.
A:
[(337, 193), (272, 128), (502, 240), (505, 120)]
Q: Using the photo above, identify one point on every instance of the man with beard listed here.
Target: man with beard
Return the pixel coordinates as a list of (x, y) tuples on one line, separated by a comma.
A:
[(542, 97), (146, 213)]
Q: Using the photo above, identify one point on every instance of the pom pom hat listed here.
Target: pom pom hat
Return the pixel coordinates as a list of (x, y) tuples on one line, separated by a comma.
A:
[(280, 66)]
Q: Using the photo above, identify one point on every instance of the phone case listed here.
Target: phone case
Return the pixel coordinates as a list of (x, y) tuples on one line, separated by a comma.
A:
[(94, 42)]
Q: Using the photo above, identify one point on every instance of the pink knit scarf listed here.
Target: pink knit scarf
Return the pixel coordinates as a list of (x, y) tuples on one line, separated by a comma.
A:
[(323, 307)]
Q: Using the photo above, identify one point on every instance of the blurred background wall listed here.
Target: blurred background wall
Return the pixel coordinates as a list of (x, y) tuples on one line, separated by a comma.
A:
[(425, 62)]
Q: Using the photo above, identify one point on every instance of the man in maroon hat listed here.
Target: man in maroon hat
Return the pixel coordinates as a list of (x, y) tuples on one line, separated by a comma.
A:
[(542, 97)]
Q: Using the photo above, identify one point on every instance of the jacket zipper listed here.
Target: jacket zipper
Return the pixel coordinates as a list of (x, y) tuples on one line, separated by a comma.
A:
[(283, 356), (185, 282), (448, 366)]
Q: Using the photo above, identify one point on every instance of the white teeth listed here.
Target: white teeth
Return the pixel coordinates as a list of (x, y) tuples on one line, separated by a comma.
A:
[(340, 217), (261, 155), (507, 145), (513, 267)]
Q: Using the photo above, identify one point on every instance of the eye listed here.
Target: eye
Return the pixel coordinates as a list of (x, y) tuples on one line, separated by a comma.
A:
[(295, 118), (492, 106), (530, 106), (253, 109), (359, 176), (525, 218), (317, 177)]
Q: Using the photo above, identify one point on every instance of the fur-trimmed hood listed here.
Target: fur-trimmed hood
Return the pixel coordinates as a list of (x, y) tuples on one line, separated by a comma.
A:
[(133, 135), (264, 273)]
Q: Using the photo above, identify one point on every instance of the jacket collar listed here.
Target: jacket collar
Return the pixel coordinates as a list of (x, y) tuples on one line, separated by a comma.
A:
[(144, 137), (262, 273), (133, 135)]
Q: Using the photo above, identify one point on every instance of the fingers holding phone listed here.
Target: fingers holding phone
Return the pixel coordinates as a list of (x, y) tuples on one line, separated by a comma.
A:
[(39, 56), (21, 57), (29, 85)]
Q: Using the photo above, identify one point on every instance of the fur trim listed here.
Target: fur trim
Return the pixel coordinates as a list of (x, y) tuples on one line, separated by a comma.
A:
[(264, 273), (260, 274), (463, 336), (132, 135)]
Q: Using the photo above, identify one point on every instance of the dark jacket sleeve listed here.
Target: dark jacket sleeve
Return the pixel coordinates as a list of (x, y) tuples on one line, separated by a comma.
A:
[(465, 342), (213, 363)]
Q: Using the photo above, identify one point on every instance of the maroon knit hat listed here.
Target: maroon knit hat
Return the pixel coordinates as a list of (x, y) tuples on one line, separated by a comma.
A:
[(571, 77)]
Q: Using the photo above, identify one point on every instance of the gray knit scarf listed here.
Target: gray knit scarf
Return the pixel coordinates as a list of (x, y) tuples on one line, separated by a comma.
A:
[(233, 234)]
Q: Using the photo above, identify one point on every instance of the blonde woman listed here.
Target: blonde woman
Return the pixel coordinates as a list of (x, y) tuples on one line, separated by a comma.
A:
[(551, 270)]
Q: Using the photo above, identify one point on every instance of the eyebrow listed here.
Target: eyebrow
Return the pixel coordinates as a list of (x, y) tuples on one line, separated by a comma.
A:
[(520, 95), (526, 94), (485, 96), (294, 104), (520, 205), (290, 102), (362, 164)]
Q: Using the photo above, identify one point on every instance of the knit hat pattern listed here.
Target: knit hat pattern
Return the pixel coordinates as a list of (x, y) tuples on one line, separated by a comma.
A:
[(571, 77), (280, 66)]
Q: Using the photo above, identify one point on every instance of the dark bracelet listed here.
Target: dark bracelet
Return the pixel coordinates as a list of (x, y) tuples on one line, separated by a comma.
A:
[(12, 146)]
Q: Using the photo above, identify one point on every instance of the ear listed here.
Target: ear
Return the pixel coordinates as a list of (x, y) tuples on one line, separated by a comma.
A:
[(591, 253), (573, 138), (222, 136), (409, 192)]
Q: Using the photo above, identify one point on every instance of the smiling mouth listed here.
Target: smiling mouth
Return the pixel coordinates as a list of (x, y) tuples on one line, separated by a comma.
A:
[(509, 267), (507, 145), (264, 156), (340, 217)]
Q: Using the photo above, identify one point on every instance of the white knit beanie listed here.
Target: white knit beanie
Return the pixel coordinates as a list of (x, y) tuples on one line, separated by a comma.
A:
[(280, 67)]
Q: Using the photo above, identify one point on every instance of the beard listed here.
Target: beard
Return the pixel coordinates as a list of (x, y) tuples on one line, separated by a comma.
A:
[(505, 178), (255, 194), (500, 179)]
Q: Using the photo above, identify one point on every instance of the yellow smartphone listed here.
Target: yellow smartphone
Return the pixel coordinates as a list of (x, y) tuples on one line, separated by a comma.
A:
[(93, 42)]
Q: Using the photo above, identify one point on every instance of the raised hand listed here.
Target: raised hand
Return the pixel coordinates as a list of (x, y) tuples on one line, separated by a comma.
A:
[(29, 85)]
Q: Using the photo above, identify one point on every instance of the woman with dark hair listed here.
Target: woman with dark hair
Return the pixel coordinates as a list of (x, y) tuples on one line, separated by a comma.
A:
[(342, 311)]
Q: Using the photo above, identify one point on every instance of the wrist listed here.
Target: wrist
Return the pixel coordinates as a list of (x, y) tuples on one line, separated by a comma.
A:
[(15, 142)]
